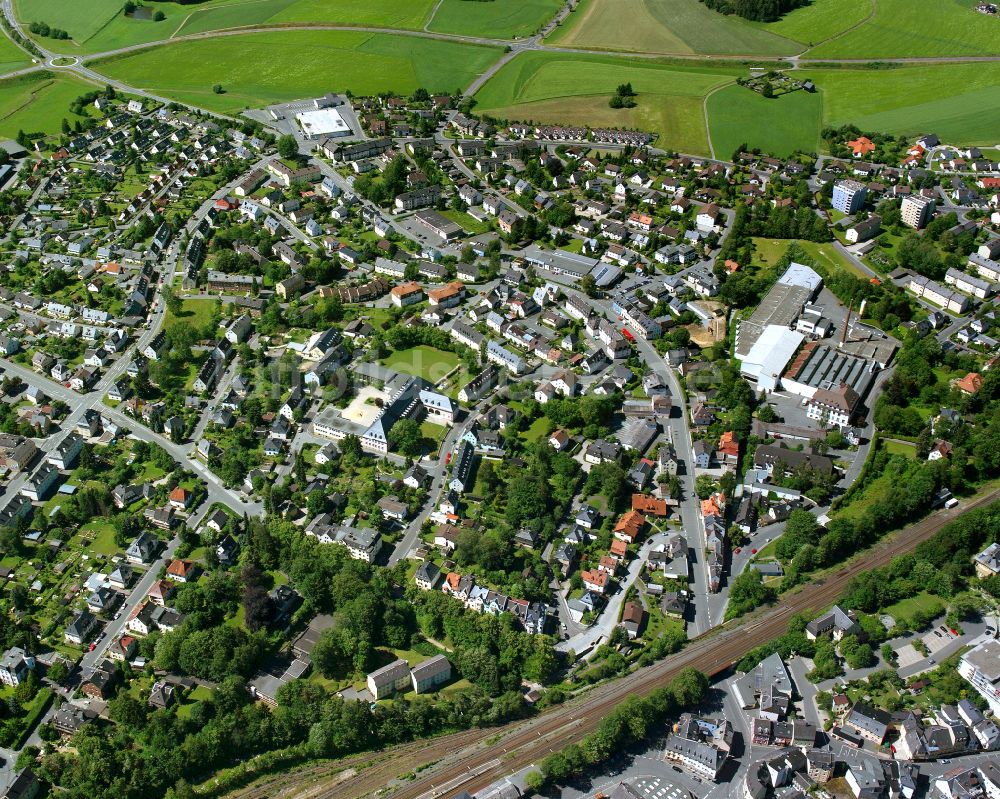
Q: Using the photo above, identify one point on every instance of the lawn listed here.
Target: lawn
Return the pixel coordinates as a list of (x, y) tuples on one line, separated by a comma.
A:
[(197, 313), (924, 602), (539, 429), (500, 19), (198, 694), (298, 64), (826, 255), (11, 56), (901, 28), (469, 223), (103, 533), (878, 490), (899, 448), (740, 118), (666, 26), (427, 362), (38, 102), (434, 432), (575, 89)]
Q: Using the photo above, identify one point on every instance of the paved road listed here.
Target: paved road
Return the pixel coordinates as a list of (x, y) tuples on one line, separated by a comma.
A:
[(412, 534), (598, 632)]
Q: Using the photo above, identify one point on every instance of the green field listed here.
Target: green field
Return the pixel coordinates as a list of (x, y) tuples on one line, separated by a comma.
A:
[(826, 255), (899, 448), (499, 19), (923, 602), (37, 102), (901, 28), (427, 362), (741, 118), (959, 102), (99, 25), (667, 26), (298, 64), (575, 89), (196, 313), (819, 21), (11, 56)]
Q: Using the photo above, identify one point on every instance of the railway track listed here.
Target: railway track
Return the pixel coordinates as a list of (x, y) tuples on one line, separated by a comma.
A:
[(466, 764)]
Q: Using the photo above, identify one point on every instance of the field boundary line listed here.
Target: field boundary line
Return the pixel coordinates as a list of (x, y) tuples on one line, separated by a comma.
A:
[(854, 27), (704, 110), (430, 17)]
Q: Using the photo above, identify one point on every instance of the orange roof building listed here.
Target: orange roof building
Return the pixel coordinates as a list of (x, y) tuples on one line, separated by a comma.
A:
[(595, 580), (971, 383), (451, 581), (619, 548), (180, 497), (643, 503), (629, 526), (861, 146), (710, 507), (729, 444), (181, 569)]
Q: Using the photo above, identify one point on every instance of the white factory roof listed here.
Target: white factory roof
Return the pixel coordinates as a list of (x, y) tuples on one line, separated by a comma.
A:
[(769, 356), (801, 275)]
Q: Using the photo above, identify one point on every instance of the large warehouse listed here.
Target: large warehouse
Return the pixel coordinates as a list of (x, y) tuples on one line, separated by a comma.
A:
[(781, 306), (769, 355), (323, 123)]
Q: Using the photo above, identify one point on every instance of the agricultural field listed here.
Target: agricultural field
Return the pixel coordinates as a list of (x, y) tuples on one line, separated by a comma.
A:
[(668, 26), (37, 102), (508, 19), (575, 89), (819, 21), (298, 65), (739, 117), (901, 29), (11, 56), (99, 25), (959, 102)]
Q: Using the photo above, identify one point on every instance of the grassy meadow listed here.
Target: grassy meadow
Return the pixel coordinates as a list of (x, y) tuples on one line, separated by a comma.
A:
[(781, 125), (37, 103), (499, 19), (11, 56), (901, 29), (575, 89), (298, 64), (666, 26), (99, 25)]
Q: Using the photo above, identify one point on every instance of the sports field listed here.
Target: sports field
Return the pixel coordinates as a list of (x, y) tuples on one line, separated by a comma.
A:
[(11, 56), (100, 25), (38, 102), (902, 28), (498, 19), (740, 117), (298, 64), (666, 26), (575, 89)]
